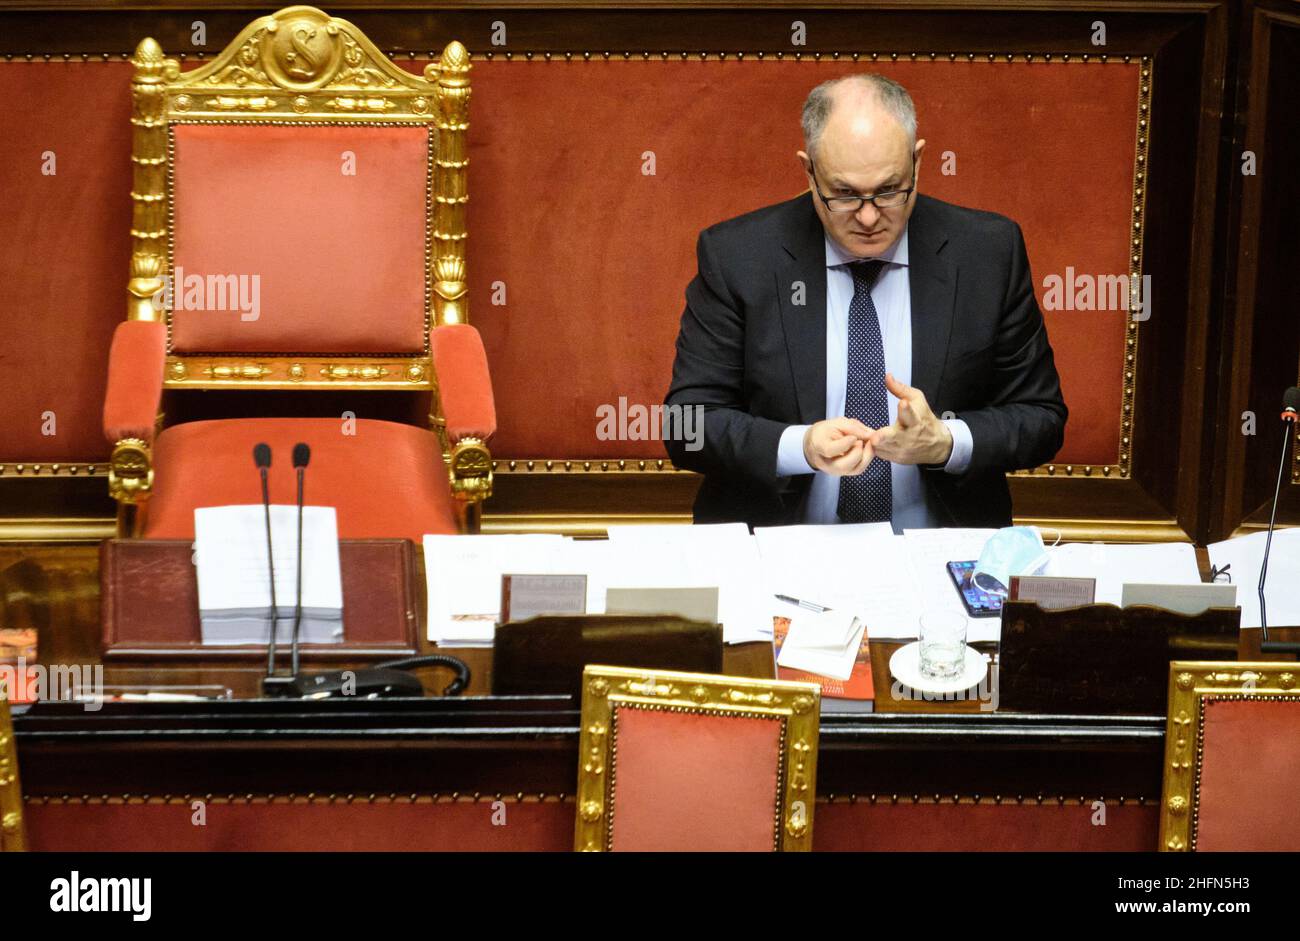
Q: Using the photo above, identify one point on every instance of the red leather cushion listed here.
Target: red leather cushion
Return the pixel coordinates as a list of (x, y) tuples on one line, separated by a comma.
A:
[(464, 385), (386, 480), (687, 782), (1250, 776), (135, 378), (339, 257)]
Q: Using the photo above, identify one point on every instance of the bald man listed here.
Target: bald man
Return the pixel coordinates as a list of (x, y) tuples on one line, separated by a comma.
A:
[(864, 353)]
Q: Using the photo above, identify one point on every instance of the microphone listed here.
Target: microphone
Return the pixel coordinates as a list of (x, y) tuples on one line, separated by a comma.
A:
[(301, 458), (262, 458), (1290, 412), (386, 679)]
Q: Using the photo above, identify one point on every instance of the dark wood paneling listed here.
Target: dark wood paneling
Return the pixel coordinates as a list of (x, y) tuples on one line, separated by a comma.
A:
[(1260, 337), (531, 745), (983, 26)]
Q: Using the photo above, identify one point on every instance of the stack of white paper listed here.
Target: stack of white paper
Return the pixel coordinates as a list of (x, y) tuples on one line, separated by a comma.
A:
[(889, 580), (1246, 554), (824, 643), (235, 583), (1164, 563)]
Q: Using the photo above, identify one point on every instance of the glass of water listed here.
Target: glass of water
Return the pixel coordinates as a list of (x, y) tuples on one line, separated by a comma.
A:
[(943, 644)]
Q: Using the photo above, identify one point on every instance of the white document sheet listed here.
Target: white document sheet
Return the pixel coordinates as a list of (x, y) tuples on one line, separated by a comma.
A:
[(1164, 563), (824, 643), (722, 555), (1245, 554), (928, 552), (463, 575), (234, 579), (860, 567)]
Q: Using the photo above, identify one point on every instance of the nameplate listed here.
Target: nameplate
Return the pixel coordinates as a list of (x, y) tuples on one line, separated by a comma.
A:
[(1051, 592), (1185, 599), (526, 596), (695, 604)]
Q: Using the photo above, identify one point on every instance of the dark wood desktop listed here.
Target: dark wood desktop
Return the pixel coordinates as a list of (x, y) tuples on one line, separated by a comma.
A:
[(482, 772)]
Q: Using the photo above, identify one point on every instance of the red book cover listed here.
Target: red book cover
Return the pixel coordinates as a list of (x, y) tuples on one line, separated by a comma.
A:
[(17, 649), (859, 684)]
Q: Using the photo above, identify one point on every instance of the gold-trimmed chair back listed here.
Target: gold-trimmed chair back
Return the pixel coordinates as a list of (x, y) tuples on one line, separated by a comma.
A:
[(280, 151), (299, 224), (1232, 757), (695, 761)]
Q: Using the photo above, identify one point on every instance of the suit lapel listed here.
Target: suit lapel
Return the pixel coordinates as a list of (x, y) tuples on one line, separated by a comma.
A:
[(805, 324), (933, 281)]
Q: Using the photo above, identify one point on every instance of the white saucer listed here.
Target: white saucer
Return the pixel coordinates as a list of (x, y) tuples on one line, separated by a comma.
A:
[(905, 665)]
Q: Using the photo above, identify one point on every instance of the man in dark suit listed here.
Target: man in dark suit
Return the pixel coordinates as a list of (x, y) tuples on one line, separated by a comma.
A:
[(862, 352)]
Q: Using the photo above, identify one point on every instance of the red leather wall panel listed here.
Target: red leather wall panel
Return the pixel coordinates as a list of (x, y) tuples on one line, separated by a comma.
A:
[(63, 269), (595, 255), (592, 253), (548, 826), (1009, 827), (1250, 777)]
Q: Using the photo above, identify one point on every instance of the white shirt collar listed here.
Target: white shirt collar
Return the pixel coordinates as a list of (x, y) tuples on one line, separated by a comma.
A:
[(896, 254)]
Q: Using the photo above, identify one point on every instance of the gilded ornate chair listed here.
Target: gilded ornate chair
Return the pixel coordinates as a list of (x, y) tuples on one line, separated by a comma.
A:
[(693, 761), (299, 224), (12, 836), (1232, 757)]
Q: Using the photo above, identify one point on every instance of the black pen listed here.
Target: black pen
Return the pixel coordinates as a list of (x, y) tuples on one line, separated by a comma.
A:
[(811, 606)]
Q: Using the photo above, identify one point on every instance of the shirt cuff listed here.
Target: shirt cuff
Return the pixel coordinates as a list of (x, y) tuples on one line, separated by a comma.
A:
[(790, 458), (959, 459)]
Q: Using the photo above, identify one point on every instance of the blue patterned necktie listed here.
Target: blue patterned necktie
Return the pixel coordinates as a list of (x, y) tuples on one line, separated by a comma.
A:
[(869, 496)]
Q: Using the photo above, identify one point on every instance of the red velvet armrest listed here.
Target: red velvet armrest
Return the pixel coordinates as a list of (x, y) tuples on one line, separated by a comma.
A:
[(135, 378), (464, 386)]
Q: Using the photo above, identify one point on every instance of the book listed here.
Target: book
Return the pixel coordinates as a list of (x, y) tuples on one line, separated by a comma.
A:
[(859, 688), (16, 643), (17, 664)]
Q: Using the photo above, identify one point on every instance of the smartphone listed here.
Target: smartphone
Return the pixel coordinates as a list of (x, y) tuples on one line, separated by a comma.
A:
[(979, 603)]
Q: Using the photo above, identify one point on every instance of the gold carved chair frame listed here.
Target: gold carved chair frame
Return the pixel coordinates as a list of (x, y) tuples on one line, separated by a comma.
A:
[(606, 689), (263, 76)]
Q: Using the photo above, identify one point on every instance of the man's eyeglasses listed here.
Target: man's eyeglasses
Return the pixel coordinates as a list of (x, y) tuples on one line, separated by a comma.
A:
[(888, 200)]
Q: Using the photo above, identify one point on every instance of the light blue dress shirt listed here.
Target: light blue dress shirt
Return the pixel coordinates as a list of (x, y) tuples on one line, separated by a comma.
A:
[(893, 299)]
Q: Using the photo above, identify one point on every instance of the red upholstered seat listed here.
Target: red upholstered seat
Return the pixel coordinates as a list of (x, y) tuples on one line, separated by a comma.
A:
[(386, 480), (695, 782), (1249, 776)]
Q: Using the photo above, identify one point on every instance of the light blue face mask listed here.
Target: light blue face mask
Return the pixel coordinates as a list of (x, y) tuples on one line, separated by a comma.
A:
[(1013, 550)]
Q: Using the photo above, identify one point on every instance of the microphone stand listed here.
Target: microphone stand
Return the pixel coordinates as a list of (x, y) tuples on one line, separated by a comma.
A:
[(270, 561), (297, 606), (1266, 645), (388, 679)]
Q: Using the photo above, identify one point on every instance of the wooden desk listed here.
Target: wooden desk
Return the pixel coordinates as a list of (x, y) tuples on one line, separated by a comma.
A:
[(435, 774), (428, 774)]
